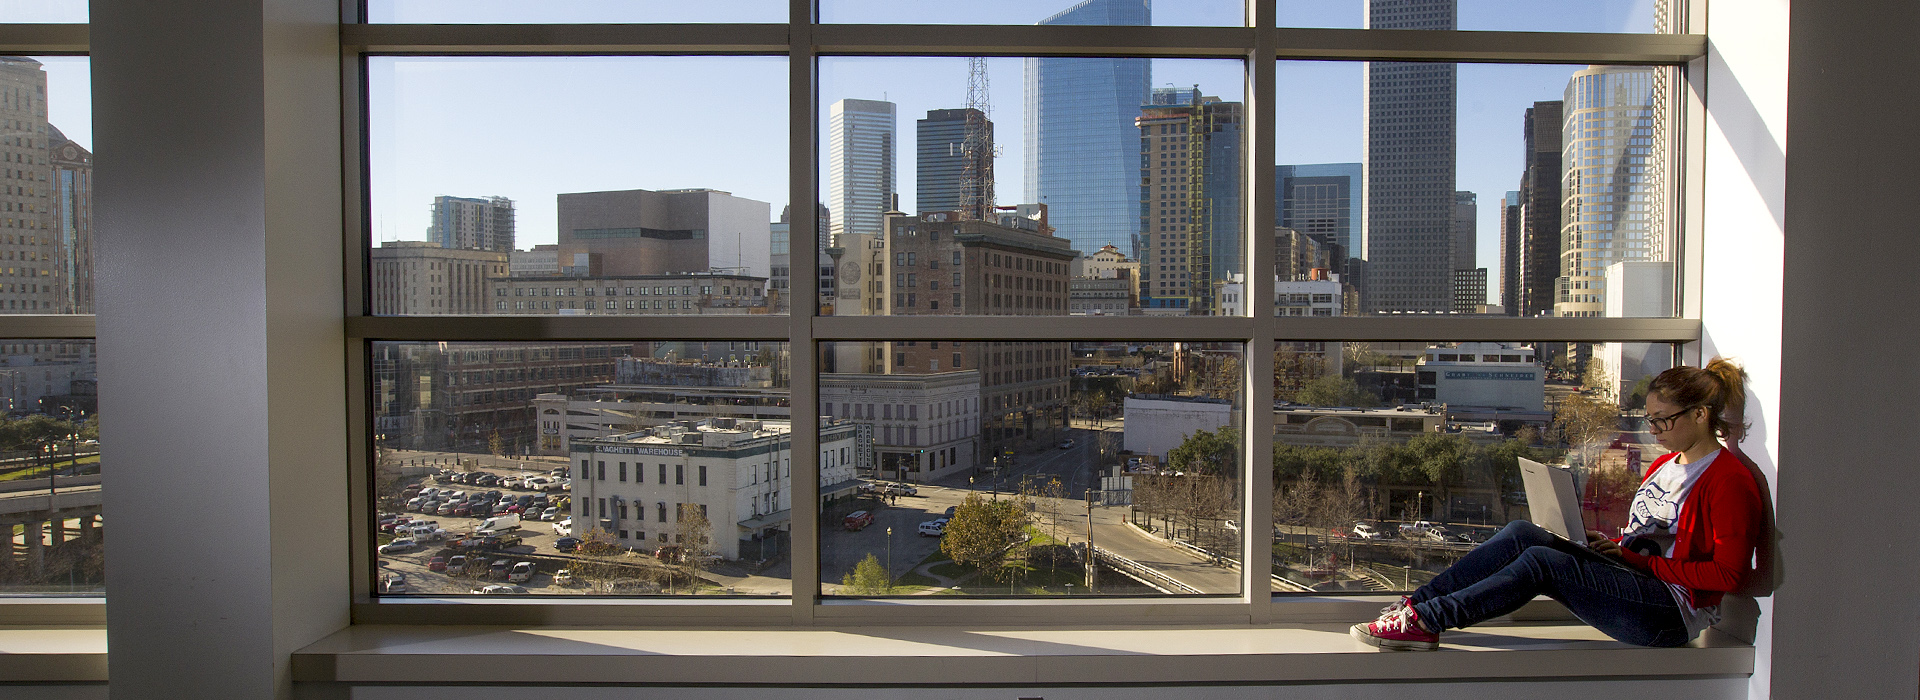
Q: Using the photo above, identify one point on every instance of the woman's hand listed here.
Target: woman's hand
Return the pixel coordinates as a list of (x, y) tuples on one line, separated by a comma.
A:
[(1599, 543)]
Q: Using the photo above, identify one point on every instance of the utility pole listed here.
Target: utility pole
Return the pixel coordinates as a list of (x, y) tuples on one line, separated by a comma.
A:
[(1093, 568)]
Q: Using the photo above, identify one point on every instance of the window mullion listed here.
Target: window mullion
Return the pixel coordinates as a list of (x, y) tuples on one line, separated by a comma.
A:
[(802, 156), (1256, 550)]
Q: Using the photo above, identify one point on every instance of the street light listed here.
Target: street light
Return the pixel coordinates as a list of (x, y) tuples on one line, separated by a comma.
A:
[(889, 559)]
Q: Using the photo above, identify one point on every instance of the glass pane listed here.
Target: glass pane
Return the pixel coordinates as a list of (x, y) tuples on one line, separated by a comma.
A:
[(46, 139), (582, 468), (1640, 16), (50, 469), (577, 193), (1118, 198), (1475, 189), (1391, 460), (43, 11), (985, 468), (572, 12), (1189, 13)]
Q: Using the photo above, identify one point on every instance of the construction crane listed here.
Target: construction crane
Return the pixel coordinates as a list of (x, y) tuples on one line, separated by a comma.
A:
[(977, 150)]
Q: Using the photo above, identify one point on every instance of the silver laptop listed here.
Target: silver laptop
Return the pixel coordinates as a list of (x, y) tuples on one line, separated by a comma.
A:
[(1552, 501)]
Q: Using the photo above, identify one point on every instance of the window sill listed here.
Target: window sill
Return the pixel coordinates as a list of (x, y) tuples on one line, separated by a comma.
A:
[(53, 654), (941, 656)]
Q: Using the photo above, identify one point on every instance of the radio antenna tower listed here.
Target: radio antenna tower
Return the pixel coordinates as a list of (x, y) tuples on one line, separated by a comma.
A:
[(977, 151)]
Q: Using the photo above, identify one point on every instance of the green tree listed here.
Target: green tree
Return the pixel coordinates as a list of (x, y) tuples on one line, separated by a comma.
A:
[(1334, 391), (1207, 452), (983, 531), (867, 578)]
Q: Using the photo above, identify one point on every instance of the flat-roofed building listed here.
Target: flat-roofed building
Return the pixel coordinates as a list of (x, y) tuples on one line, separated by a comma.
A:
[(924, 426), (643, 487), (422, 277), (700, 293), (644, 232)]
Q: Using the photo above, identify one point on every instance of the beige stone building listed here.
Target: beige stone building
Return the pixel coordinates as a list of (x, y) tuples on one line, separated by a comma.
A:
[(420, 277)]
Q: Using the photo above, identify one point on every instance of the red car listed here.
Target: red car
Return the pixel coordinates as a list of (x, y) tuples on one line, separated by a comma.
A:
[(857, 520), (463, 510), (437, 564)]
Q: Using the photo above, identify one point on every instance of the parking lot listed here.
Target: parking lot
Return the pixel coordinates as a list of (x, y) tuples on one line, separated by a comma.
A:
[(537, 537)]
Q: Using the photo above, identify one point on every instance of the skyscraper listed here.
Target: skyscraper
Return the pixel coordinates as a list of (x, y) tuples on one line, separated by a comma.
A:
[(860, 166), (1510, 251), (1608, 212), (1321, 200), (72, 220), (44, 225), (1190, 229), (470, 223), (1466, 225), (1410, 168), (1082, 158), (1539, 245), (940, 159)]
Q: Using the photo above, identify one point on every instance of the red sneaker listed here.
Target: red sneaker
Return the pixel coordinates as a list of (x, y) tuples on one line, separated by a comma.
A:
[(1399, 629)]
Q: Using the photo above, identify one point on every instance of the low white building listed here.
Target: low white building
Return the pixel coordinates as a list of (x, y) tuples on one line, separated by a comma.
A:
[(1156, 424), (1636, 289), (923, 426), (1500, 375), (1300, 297), (639, 486)]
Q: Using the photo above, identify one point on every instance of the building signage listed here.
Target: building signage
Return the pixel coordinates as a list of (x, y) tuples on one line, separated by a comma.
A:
[(635, 450), (1496, 376)]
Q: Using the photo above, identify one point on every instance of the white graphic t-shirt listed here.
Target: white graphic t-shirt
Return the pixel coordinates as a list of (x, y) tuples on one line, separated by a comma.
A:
[(1653, 518)]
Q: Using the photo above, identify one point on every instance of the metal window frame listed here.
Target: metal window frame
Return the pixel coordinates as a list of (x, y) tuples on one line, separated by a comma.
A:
[(48, 40), (802, 41)]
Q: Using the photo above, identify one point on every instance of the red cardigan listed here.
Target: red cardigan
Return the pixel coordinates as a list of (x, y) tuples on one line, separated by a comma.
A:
[(1714, 540)]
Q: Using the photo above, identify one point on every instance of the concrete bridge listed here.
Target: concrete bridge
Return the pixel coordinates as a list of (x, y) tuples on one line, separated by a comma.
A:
[(51, 514)]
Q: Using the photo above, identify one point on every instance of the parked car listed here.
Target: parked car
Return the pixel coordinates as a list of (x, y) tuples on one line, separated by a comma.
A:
[(563, 577), (550, 513), (901, 490), (564, 528), (437, 564), (1066, 444), (498, 589), (1368, 531), (951, 510), (400, 545), (566, 544), (522, 572), (394, 583), (457, 564), (672, 554), (857, 520), (498, 569), (933, 528)]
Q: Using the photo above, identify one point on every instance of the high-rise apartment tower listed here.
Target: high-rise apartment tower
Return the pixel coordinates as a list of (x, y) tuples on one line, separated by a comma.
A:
[(469, 223), (1410, 168)]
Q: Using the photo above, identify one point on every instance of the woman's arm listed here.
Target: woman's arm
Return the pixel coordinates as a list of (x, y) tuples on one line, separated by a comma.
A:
[(1732, 524)]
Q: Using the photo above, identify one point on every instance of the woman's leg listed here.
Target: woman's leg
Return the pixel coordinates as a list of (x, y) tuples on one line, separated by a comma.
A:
[(1628, 606), (1490, 557)]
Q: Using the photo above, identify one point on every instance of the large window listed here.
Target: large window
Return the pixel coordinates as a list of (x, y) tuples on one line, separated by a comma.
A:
[(993, 312), (51, 525)]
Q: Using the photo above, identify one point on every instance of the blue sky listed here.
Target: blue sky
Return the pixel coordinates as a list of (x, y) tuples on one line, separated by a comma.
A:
[(529, 128)]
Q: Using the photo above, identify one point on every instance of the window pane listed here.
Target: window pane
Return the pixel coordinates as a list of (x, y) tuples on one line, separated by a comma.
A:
[(1642, 16), (50, 469), (1117, 198), (43, 11), (971, 468), (1476, 189), (1191, 13), (46, 226), (598, 468), (571, 12), (596, 186), (1391, 460)]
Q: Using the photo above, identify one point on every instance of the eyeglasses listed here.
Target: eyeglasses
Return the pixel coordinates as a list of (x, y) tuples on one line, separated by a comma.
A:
[(1665, 423)]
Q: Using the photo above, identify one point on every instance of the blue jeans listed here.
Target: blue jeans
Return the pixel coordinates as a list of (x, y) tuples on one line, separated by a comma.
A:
[(1505, 572)]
